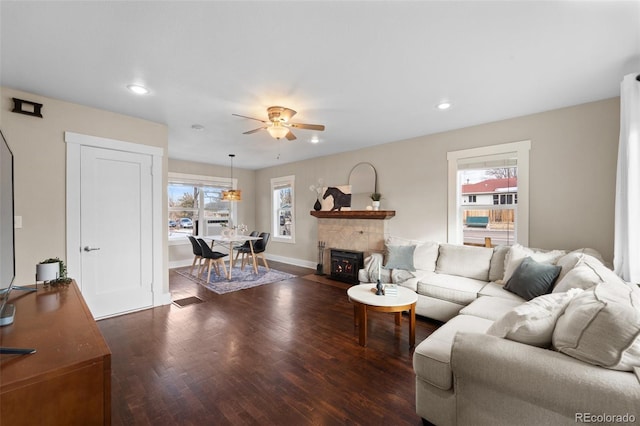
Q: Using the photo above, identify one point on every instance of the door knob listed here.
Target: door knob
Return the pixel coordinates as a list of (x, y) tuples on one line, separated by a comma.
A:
[(87, 248)]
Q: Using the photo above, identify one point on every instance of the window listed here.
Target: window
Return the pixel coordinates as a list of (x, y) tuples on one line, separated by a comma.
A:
[(196, 206), (282, 207), (485, 185)]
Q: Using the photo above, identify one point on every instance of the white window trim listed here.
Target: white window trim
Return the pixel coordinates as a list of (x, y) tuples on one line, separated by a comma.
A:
[(522, 148), (190, 179), (283, 181)]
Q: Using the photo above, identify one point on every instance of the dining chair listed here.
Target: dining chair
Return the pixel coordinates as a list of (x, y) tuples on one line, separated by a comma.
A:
[(215, 258), (197, 254), (259, 247), (244, 245)]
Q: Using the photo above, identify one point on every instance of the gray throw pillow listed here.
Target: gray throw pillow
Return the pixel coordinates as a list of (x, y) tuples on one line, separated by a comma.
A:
[(532, 279), (400, 257)]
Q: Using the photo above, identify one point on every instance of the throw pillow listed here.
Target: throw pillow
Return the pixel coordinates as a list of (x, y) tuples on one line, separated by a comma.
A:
[(517, 253), (398, 276), (586, 273), (601, 326), (532, 323), (425, 254), (571, 259), (373, 266), (532, 279), (400, 257)]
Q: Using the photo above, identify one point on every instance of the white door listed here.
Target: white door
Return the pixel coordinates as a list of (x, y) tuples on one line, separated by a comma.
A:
[(116, 264)]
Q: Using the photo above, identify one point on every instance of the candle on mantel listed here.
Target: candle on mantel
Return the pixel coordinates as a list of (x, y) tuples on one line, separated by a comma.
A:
[(379, 271)]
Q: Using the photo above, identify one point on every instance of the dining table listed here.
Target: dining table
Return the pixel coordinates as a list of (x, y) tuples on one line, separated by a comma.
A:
[(231, 240)]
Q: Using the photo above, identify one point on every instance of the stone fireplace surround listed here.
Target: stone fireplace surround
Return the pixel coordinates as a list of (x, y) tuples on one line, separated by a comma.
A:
[(359, 230)]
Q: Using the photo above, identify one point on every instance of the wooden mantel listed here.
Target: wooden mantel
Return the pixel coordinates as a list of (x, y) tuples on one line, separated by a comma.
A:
[(354, 214)]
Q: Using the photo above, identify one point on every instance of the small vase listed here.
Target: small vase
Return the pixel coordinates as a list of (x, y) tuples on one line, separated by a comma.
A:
[(317, 206), (379, 291), (376, 205)]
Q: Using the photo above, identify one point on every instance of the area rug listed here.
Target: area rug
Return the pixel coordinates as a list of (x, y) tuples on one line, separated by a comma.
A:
[(240, 280)]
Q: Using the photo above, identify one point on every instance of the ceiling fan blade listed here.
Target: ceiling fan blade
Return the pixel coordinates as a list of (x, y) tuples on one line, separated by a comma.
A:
[(290, 136), (250, 118), (318, 127), (254, 130)]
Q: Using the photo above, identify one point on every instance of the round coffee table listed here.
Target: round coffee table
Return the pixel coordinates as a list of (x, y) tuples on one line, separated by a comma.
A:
[(364, 298)]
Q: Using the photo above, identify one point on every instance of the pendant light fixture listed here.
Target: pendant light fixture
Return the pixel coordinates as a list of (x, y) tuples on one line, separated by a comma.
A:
[(232, 194)]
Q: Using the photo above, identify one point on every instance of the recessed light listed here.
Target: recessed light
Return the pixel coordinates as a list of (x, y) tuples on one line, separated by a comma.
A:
[(443, 105), (138, 89), (198, 127), (314, 139)]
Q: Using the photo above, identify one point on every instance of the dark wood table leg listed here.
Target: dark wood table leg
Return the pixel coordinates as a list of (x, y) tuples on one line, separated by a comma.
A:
[(362, 323), (412, 325), (398, 318)]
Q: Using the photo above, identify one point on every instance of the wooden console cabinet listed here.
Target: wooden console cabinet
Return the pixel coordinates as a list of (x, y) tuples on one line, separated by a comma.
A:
[(68, 380)]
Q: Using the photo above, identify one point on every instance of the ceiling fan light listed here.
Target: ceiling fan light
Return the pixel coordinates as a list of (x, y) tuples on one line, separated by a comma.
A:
[(277, 131)]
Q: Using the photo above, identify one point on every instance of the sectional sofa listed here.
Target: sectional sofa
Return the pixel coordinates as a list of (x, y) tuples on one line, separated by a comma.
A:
[(530, 336)]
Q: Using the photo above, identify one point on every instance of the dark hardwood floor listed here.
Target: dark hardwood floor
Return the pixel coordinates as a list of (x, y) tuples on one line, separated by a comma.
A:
[(284, 353)]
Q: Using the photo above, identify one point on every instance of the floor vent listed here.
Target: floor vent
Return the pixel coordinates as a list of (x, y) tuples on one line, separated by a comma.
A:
[(181, 303)]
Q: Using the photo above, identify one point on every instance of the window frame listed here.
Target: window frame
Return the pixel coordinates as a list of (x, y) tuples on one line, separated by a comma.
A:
[(200, 181), (454, 196), (277, 184)]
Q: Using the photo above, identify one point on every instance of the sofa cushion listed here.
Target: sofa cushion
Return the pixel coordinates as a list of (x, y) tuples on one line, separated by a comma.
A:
[(490, 308), (517, 253), (532, 279), (496, 267), (425, 254), (451, 288), (464, 261), (431, 358), (400, 257), (532, 323), (496, 290), (601, 326)]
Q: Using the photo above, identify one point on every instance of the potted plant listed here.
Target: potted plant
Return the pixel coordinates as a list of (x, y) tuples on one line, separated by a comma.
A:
[(52, 271), (375, 198)]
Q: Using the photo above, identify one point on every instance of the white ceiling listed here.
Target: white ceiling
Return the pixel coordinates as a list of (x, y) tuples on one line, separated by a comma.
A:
[(372, 72)]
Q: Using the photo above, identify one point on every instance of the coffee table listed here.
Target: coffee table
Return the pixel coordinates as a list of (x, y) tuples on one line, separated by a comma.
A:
[(364, 298)]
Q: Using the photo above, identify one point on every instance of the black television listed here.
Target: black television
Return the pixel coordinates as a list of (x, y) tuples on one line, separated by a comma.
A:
[(7, 238), (7, 243)]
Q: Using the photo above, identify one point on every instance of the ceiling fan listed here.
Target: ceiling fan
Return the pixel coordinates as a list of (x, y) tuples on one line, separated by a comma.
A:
[(278, 124)]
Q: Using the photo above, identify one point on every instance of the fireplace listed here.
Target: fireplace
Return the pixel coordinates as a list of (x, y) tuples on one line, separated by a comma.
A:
[(345, 265)]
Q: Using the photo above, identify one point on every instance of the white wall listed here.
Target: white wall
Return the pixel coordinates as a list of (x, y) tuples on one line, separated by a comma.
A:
[(573, 157), (39, 169), (572, 179)]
